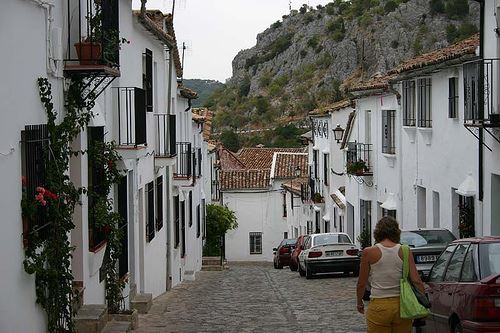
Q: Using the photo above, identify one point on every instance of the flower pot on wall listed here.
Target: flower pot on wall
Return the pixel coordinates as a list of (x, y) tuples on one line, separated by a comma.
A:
[(89, 53)]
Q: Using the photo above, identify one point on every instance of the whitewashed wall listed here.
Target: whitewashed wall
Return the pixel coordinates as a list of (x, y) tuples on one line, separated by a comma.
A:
[(438, 160), (20, 104), (256, 211), (491, 208), (386, 168)]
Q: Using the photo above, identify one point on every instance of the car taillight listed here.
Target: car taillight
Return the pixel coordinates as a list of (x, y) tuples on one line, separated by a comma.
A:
[(352, 252), (315, 254), (487, 308), (284, 250)]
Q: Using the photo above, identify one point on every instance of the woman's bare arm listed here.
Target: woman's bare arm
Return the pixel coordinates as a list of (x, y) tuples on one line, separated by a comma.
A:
[(364, 271), (414, 276)]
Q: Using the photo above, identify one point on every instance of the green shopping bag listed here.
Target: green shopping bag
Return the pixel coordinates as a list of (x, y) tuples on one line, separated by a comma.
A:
[(409, 307)]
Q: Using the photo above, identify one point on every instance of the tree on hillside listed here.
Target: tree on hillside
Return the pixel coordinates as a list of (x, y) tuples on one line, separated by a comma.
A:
[(220, 220), (230, 140)]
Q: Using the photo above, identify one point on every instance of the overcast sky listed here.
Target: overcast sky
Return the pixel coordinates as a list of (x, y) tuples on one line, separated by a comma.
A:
[(216, 30)]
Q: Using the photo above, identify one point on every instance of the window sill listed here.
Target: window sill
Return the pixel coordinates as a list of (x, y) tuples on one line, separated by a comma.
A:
[(426, 133), (411, 132), (390, 158)]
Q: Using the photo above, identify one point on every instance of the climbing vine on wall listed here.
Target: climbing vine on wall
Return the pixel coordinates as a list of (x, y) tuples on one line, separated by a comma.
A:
[(49, 257)]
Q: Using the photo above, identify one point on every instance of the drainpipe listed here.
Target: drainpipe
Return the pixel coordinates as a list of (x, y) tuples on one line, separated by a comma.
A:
[(189, 105), (481, 104)]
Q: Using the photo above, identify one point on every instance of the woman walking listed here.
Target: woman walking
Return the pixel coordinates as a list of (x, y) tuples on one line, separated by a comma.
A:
[(383, 265)]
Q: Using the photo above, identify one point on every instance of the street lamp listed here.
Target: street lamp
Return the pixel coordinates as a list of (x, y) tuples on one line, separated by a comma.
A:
[(338, 133)]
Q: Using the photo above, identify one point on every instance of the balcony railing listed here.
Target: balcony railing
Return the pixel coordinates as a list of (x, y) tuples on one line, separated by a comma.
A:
[(305, 192), (131, 116), (165, 135), (480, 103), (184, 164), (93, 34), (358, 159)]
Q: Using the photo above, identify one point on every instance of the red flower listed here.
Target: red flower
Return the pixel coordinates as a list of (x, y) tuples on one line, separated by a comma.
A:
[(40, 190)]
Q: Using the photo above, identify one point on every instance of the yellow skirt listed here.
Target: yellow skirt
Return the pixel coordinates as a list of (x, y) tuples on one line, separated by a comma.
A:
[(383, 316)]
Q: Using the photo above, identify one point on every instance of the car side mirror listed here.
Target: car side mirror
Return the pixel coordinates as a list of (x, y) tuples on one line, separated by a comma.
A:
[(275, 249)]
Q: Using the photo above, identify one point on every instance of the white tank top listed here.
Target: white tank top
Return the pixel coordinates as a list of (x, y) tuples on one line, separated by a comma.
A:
[(386, 273)]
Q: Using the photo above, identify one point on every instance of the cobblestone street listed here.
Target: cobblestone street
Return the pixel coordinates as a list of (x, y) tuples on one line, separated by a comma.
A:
[(256, 298)]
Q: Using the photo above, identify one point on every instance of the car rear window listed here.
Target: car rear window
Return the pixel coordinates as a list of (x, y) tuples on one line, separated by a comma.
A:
[(330, 239), (420, 238), (489, 258)]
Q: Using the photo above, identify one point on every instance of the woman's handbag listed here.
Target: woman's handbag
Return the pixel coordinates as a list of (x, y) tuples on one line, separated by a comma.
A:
[(410, 308)]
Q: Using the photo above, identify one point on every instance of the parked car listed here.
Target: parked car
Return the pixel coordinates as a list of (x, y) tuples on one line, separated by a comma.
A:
[(426, 246), (283, 253), (464, 287), (294, 260), (327, 253)]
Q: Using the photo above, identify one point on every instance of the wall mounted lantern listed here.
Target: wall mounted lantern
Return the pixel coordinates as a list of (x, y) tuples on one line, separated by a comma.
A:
[(338, 133)]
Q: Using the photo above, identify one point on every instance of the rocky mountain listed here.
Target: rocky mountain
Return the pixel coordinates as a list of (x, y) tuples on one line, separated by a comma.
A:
[(306, 59), (204, 88)]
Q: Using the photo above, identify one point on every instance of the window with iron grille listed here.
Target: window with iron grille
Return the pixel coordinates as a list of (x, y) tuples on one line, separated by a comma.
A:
[(123, 211), (190, 209), (97, 236), (183, 228), (452, 97), (198, 222), (34, 144), (326, 174), (199, 162), (309, 227), (159, 203), (256, 243), (388, 131), (408, 103), (147, 78), (424, 102), (284, 204), (176, 221), (150, 211), (203, 218), (317, 221), (315, 163)]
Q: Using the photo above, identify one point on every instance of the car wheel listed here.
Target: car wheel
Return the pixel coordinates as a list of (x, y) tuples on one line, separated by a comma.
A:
[(309, 274), (274, 264), (301, 271), (293, 268), (280, 265), (458, 328), (355, 273)]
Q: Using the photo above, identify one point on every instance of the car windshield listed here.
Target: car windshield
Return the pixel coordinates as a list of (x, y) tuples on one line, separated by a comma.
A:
[(421, 238), (330, 239), (489, 254), (289, 241)]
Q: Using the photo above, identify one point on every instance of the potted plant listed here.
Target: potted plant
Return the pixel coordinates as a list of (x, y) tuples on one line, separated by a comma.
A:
[(364, 238), (89, 49), (357, 168), (317, 197)]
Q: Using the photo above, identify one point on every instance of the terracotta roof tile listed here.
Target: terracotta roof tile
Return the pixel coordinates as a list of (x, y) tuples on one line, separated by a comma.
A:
[(228, 161), (333, 107), (286, 163), (466, 47), (295, 184), (244, 179), (378, 82), (186, 92), (262, 158), (153, 20), (204, 115)]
